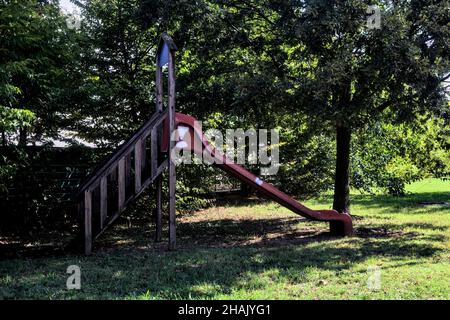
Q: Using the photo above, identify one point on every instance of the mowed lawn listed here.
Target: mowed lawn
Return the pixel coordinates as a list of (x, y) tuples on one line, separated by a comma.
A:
[(259, 250)]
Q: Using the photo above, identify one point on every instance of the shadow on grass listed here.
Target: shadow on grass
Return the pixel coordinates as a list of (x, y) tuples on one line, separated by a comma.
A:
[(214, 257), (386, 204), (411, 201), (221, 256), (204, 273), (256, 247)]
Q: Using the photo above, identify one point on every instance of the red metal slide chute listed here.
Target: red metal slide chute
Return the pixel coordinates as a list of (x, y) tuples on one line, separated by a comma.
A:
[(340, 223)]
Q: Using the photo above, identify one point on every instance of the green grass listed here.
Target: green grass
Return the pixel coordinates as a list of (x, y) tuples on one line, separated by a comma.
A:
[(259, 250)]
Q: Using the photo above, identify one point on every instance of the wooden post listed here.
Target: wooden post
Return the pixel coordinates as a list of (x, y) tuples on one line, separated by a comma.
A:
[(158, 213), (144, 156), (87, 222), (159, 87), (138, 166), (103, 200), (166, 55), (172, 172), (158, 182), (121, 185)]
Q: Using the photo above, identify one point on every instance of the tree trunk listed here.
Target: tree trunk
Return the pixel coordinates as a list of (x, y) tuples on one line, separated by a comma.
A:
[(22, 137), (341, 182)]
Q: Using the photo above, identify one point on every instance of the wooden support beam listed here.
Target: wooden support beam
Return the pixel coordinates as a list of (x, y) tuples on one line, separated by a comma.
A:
[(158, 209), (103, 201), (138, 166), (163, 166), (155, 154), (113, 174), (159, 87), (172, 172), (87, 222), (121, 184)]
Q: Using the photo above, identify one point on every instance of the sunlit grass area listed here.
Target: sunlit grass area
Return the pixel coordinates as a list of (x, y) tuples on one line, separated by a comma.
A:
[(260, 250)]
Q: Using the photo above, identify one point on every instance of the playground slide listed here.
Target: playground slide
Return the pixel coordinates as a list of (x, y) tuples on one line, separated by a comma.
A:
[(340, 223)]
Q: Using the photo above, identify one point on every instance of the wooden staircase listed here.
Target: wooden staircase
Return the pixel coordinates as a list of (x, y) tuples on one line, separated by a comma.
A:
[(121, 179)]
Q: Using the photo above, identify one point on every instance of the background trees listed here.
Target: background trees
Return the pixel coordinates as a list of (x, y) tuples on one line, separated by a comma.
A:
[(323, 59), (117, 63), (360, 74), (387, 156), (346, 75), (36, 70), (37, 77), (354, 105)]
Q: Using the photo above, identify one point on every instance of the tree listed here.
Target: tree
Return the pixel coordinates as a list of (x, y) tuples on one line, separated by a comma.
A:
[(119, 49), (35, 69), (36, 78), (361, 73), (345, 74)]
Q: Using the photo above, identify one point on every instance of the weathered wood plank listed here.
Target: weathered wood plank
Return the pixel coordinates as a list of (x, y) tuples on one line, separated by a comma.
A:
[(144, 154), (127, 170), (103, 201), (87, 222), (154, 152), (154, 156), (159, 88), (121, 184), (138, 166), (163, 166)]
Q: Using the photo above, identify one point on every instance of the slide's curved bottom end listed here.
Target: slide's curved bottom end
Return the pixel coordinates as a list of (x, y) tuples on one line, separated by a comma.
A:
[(342, 228)]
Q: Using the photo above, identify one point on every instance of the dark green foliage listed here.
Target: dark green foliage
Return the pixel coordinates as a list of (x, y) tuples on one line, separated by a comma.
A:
[(37, 77), (39, 193), (37, 69), (118, 71), (349, 76), (302, 67), (390, 156)]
